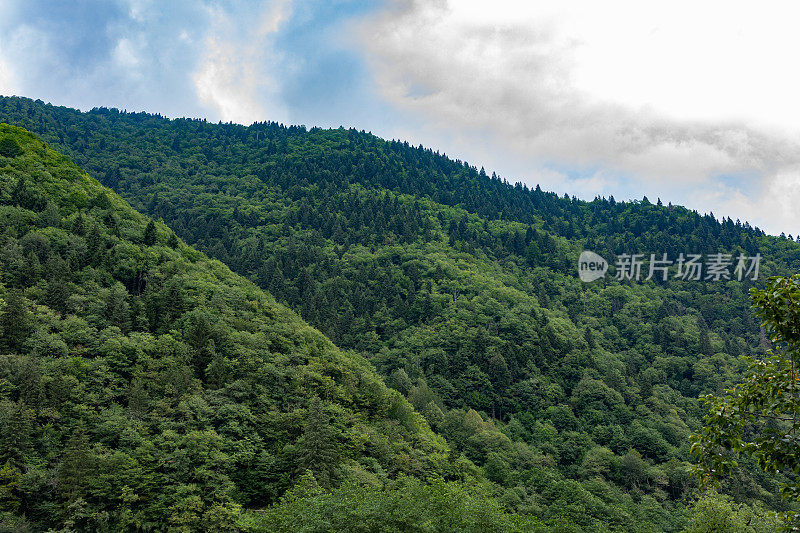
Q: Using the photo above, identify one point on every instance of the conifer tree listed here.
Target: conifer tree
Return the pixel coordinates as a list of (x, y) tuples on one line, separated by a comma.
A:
[(318, 447), (78, 226), (14, 319), (75, 468), (150, 234)]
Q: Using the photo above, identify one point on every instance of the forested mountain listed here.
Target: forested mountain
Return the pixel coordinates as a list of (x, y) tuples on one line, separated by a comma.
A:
[(144, 386), (575, 400)]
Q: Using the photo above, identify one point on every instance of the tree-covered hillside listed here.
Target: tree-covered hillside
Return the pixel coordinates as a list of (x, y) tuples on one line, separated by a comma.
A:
[(575, 399), (144, 386)]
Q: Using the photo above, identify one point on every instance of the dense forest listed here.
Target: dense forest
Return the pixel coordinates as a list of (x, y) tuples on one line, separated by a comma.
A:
[(552, 403), (145, 386)]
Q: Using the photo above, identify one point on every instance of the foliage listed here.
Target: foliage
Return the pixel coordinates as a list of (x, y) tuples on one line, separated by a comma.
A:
[(575, 400), (713, 513), (144, 386), (9, 147), (407, 505), (759, 417)]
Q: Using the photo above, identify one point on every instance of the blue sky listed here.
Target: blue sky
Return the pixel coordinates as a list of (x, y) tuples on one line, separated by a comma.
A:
[(693, 103)]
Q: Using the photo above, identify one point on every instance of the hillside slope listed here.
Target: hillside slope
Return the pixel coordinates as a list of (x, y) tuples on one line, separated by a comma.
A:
[(576, 399), (145, 386)]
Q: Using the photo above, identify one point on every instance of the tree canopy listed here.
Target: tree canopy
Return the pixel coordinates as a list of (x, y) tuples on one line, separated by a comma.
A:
[(573, 401), (144, 386), (758, 417)]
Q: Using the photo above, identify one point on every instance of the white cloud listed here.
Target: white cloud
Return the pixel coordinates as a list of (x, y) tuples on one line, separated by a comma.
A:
[(232, 78), (7, 81), (775, 202), (138, 9), (671, 96), (126, 54), (24, 44)]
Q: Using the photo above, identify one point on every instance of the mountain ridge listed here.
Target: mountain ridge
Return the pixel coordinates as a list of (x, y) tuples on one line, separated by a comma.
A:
[(575, 400)]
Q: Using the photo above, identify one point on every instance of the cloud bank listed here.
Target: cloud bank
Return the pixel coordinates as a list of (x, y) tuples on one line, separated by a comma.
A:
[(691, 102), (182, 58), (666, 100)]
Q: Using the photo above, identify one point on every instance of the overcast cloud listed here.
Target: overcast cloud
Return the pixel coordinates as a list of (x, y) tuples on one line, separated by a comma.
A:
[(691, 102), (675, 103)]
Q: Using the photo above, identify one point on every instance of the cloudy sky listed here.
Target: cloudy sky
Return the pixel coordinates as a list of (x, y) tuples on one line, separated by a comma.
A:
[(692, 102)]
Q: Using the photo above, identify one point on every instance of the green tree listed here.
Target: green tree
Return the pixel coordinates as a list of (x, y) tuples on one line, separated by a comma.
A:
[(10, 478), (759, 417), (318, 447), (400, 381), (78, 225), (714, 513), (433, 414), (76, 466), (15, 435), (9, 147), (150, 234), (14, 319), (117, 309)]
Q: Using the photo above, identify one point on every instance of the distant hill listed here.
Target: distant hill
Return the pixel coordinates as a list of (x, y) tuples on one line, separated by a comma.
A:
[(576, 400)]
